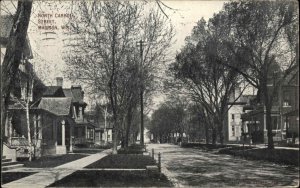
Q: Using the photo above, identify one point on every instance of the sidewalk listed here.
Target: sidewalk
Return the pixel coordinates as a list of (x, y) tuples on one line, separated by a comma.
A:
[(46, 178), (265, 146)]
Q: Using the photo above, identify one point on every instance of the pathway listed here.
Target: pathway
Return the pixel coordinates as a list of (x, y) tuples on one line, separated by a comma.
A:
[(47, 177)]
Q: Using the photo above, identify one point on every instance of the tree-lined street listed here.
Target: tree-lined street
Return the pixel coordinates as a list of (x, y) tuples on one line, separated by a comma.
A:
[(221, 106)]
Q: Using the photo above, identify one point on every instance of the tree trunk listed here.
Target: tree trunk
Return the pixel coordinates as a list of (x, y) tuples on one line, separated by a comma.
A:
[(13, 55), (115, 140), (129, 120), (268, 105), (206, 134), (214, 136), (269, 126), (221, 133), (28, 130)]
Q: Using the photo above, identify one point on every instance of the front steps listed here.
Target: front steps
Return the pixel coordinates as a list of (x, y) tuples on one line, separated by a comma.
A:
[(7, 164)]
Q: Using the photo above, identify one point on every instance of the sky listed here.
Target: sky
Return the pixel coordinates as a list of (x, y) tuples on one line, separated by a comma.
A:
[(187, 14), (47, 48)]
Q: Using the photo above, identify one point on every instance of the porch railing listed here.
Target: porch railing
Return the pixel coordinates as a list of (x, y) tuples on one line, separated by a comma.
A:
[(83, 140), (18, 142)]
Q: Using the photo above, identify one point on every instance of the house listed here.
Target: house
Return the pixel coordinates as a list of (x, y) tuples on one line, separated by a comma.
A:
[(82, 131), (14, 135), (284, 113), (56, 122), (103, 127), (289, 110), (233, 125)]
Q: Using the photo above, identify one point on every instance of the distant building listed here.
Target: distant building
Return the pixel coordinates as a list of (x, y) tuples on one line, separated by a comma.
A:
[(233, 128), (103, 126)]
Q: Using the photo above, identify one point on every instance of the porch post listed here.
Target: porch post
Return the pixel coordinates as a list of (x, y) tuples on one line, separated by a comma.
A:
[(35, 127), (71, 138), (40, 131), (63, 136), (80, 115), (6, 129), (10, 129), (286, 127), (86, 132)]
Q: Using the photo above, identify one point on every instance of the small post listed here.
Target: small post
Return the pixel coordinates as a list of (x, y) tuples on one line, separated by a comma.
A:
[(159, 162), (152, 153)]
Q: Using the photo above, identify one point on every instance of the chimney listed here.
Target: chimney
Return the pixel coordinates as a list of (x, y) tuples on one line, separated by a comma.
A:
[(59, 81)]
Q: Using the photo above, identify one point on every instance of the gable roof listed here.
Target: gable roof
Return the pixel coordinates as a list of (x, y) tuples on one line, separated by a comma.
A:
[(56, 105)]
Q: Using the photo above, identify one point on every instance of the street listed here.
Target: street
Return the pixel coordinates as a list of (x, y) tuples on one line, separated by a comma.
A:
[(193, 167)]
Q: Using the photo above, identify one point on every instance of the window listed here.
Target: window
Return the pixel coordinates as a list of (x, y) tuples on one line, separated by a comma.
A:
[(233, 130), (286, 98), (232, 116)]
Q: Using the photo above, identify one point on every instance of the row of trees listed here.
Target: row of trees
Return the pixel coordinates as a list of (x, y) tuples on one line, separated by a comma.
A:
[(245, 42), (175, 119), (102, 52)]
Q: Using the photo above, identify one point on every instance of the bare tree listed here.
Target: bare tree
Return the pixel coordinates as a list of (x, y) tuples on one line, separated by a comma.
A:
[(13, 55), (102, 52)]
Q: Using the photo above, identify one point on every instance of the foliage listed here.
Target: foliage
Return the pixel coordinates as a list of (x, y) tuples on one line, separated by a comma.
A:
[(263, 37), (207, 82), (248, 40), (168, 119)]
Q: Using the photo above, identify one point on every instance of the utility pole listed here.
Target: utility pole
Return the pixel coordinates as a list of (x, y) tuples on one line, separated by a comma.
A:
[(140, 43)]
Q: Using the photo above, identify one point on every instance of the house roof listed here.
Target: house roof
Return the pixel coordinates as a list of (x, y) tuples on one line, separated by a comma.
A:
[(57, 105), (84, 122), (247, 98), (52, 91)]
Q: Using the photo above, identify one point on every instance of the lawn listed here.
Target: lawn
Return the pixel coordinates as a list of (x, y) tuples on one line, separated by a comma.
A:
[(52, 160), (12, 176), (112, 179), (123, 161), (280, 156)]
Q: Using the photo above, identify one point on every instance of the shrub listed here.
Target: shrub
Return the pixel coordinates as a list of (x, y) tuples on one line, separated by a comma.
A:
[(132, 149)]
